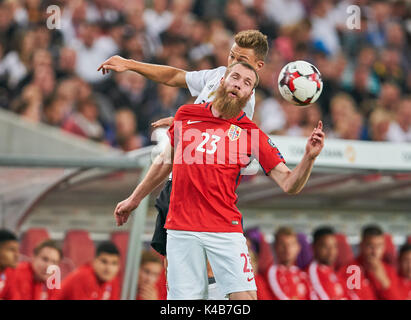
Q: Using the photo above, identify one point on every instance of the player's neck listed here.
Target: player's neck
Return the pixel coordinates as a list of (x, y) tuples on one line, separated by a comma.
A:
[(217, 113)]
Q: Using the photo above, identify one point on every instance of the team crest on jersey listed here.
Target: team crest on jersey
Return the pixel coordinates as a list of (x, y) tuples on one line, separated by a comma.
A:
[(234, 132)]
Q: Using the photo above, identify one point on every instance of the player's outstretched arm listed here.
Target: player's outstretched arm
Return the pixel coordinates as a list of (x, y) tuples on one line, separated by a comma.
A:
[(167, 75), (293, 181), (158, 172)]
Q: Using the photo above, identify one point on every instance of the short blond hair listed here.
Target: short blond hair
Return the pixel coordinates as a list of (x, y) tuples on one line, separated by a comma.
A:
[(253, 39), (284, 231)]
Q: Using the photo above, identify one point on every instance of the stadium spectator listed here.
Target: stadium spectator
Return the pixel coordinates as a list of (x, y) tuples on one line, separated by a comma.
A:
[(158, 18), (97, 280), (312, 116), (361, 61), (400, 129), (66, 67), (32, 277), (55, 110), (376, 279), (286, 280), (269, 113), (126, 129), (9, 256), (91, 48), (324, 28), (325, 281), (151, 267), (84, 121), (404, 264), (293, 120), (389, 97), (379, 124)]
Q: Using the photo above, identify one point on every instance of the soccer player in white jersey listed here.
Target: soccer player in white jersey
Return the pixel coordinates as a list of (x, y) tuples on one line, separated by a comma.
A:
[(249, 46)]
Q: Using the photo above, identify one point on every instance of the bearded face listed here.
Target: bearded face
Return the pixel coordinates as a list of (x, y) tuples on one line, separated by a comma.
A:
[(229, 102)]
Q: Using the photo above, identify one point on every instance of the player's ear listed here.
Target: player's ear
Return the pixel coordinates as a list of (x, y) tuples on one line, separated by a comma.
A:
[(260, 65)]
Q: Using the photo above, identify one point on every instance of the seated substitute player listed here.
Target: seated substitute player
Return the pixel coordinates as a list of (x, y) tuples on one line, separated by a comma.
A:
[(31, 277), (377, 280), (324, 280), (249, 46), (212, 143), (95, 281), (404, 266), (151, 267), (286, 280), (9, 257)]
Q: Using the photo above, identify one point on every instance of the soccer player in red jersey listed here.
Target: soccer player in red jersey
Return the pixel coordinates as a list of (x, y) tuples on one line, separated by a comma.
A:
[(209, 145), (32, 277), (9, 257), (324, 280), (95, 281), (404, 266), (249, 46), (286, 280), (368, 277)]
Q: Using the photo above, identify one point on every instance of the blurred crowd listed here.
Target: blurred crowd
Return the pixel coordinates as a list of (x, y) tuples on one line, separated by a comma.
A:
[(50, 75), (320, 267)]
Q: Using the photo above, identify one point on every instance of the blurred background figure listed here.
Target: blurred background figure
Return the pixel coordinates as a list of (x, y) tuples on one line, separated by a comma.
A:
[(286, 280), (9, 257), (325, 281), (404, 266), (126, 131), (32, 276), (377, 280), (151, 267), (97, 280)]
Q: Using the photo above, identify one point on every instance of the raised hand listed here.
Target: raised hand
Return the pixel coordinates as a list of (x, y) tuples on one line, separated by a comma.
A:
[(165, 122), (115, 63), (316, 141)]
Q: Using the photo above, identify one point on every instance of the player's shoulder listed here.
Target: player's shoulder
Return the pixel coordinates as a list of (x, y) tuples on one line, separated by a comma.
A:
[(82, 273), (22, 269), (189, 109), (245, 122), (221, 69)]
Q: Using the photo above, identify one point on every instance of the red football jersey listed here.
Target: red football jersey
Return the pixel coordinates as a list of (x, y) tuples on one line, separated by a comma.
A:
[(263, 289), (29, 288), (290, 283), (370, 288), (209, 154), (326, 283), (405, 285), (8, 285), (82, 284)]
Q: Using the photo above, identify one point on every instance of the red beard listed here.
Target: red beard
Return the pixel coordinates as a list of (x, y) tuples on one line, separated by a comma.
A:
[(226, 105)]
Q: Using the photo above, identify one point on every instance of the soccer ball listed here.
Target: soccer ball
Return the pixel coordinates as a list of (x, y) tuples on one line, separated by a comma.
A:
[(300, 83)]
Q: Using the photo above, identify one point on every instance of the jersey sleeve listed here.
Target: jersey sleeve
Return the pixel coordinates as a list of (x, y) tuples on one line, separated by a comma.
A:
[(266, 152), (196, 80)]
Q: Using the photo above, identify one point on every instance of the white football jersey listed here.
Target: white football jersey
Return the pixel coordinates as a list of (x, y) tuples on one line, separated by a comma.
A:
[(202, 84)]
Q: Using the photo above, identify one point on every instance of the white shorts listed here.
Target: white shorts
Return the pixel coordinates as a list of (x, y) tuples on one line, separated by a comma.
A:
[(187, 254)]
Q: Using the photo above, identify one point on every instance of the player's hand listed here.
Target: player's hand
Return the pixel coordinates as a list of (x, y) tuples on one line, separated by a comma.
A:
[(115, 63), (316, 141), (124, 209), (148, 292), (165, 122)]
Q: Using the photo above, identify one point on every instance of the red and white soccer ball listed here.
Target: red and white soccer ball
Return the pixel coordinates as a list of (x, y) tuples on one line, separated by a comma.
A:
[(300, 83)]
